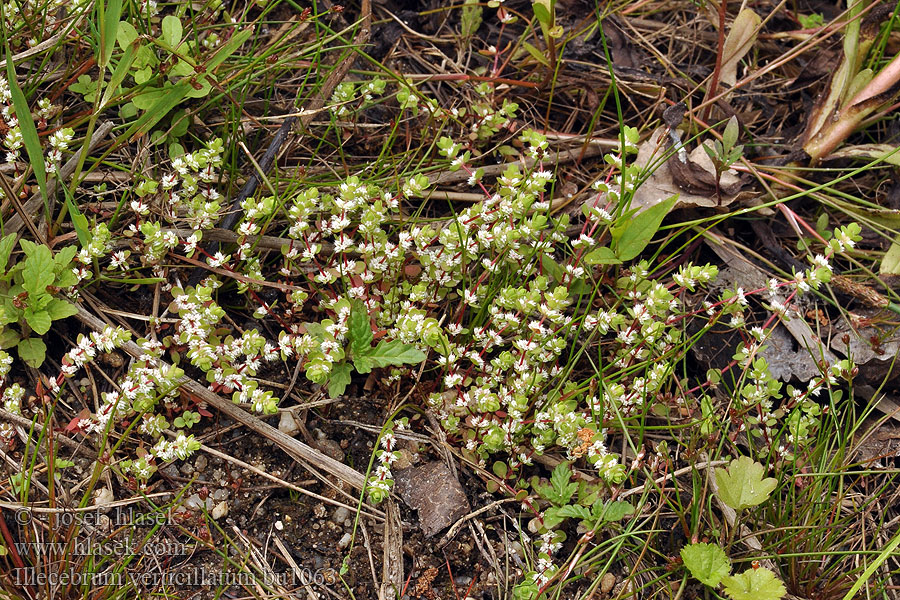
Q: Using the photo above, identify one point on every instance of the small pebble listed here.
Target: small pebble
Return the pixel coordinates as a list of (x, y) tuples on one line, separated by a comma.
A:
[(341, 514), (607, 583), (287, 424), (345, 541), (220, 510), (279, 525), (201, 463)]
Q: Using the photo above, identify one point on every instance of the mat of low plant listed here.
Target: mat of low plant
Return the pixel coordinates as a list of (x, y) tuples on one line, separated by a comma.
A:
[(457, 254)]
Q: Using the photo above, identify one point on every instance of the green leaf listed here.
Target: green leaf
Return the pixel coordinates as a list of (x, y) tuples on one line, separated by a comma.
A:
[(340, 379), (536, 54), (6, 248), (125, 34), (29, 132), (228, 49), (637, 234), (63, 258), (500, 469), (387, 353), (32, 351), (9, 338), (707, 563), (108, 17), (614, 511), (743, 485), (60, 309), (118, 75), (171, 30), (79, 221), (560, 490), (360, 330), (38, 320), (602, 256), (541, 10), (890, 264), (38, 271), (730, 135), (754, 584), (576, 511), (169, 99)]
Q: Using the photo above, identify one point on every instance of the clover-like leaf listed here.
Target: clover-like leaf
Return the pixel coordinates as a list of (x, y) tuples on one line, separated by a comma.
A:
[(754, 584), (707, 563), (743, 485)]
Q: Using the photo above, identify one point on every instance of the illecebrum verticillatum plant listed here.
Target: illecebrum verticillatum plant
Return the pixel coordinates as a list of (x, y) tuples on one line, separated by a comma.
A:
[(499, 299)]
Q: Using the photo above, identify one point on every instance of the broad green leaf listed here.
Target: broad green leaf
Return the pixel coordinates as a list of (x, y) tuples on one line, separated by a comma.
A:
[(32, 351), (38, 271), (551, 268), (635, 235), (203, 90), (743, 485), (614, 511), (29, 132), (602, 256), (553, 516), (62, 258), (6, 248), (60, 309), (9, 338), (500, 469), (171, 30), (754, 584), (125, 34), (360, 330), (38, 320), (707, 563), (339, 380), (389, 353)]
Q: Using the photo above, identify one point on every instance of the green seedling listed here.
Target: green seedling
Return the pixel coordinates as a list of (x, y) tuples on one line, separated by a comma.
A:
[(27, 293)]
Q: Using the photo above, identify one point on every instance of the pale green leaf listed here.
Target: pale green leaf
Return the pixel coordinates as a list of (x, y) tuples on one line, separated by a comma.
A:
[(389, 353), (754, 584), (635, 235), (890, 264), (6, 248), (32, 351), (38, 320), (536, 54), (743, 484), (707, 563), (171, 30), (360, 330), (601, 256), (339, 380), (60, 309)]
